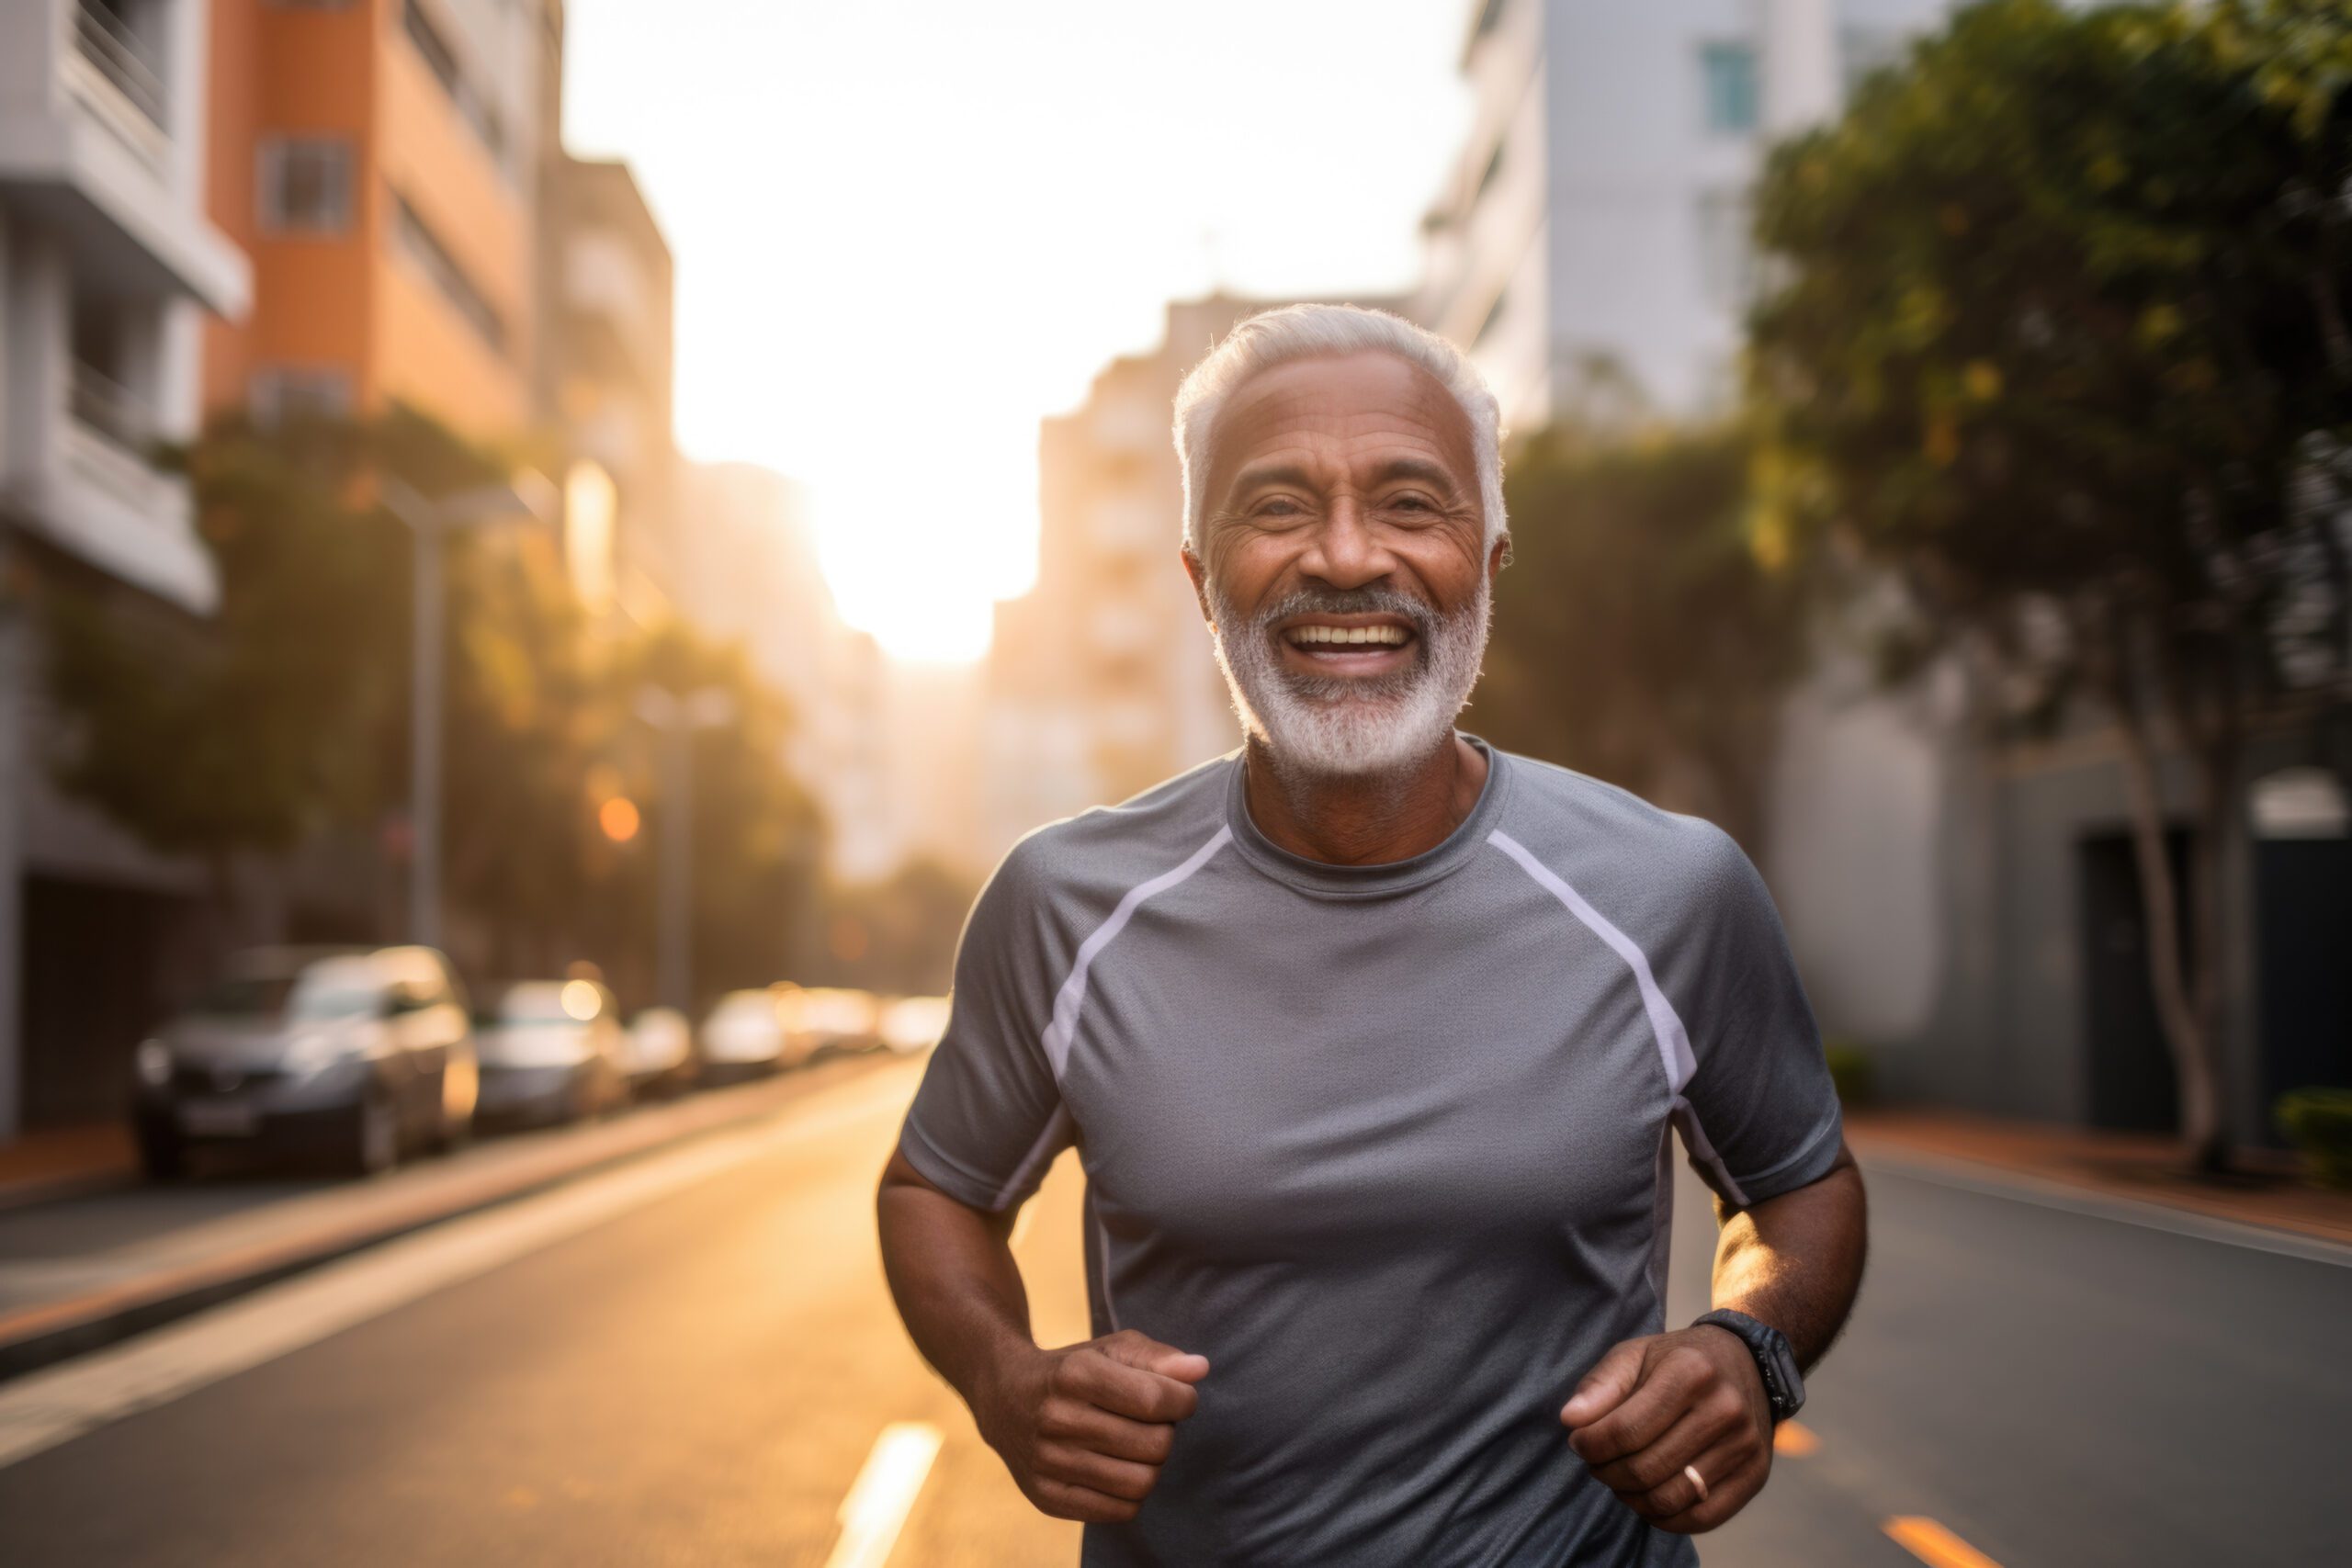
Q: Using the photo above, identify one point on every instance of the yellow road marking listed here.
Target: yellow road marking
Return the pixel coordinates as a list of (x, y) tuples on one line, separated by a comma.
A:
[(884, 1490), (1934, 1545), (1792, 1442)]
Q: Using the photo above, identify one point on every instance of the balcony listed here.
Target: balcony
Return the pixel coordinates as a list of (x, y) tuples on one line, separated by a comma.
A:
[(100, 403), (122, 56), (100, 146)]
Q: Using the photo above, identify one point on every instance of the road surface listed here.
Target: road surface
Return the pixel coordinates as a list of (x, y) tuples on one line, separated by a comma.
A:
[(692, 1361)]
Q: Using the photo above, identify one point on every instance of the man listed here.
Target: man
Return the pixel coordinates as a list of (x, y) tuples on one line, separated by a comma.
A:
[(1370, 1038)]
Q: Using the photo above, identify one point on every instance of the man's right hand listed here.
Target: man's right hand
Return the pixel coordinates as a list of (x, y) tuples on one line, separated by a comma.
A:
[(1085, 1428)]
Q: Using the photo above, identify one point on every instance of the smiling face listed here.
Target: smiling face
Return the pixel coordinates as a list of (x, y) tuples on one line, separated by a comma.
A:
[(1343, 562)]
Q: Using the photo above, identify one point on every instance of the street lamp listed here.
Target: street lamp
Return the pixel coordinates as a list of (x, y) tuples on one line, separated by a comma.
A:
[(675, 720), (527, 497)]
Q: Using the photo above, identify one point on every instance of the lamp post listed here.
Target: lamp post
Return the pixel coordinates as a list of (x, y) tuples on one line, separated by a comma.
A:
[(527, 498), (675, 718)]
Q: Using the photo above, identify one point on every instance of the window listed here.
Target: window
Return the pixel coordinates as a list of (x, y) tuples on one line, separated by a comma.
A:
[(438, 56), (415, 240), (442, 60), (285, 393), (1727, 76), (305, 184)]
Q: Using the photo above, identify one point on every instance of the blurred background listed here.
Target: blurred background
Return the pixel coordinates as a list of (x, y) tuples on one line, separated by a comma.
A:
[(550, 547)]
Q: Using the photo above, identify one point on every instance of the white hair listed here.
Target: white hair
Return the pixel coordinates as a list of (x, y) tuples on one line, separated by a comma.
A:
[(1290, 333)]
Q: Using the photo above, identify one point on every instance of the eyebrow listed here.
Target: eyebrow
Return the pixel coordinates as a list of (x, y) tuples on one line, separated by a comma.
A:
[(1389, 473), (1416, 469)]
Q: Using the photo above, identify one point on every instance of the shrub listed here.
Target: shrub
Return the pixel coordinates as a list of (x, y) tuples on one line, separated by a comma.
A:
[(2318, 1122)]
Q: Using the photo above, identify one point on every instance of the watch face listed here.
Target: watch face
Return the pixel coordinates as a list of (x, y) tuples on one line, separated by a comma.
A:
[(1790, 1394)]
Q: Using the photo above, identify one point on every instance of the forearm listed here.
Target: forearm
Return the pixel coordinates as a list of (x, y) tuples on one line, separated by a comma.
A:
[(1795, 1261), (952, 1274)]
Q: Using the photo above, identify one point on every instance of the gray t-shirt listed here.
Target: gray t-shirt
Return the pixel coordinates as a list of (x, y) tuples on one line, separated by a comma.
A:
[(1386, 1143)]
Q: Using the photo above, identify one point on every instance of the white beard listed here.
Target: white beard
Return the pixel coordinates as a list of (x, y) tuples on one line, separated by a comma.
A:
[(1341, 726)]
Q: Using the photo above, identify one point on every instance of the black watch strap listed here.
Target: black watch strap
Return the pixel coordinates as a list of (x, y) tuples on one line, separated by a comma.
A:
[(1783, 1386)]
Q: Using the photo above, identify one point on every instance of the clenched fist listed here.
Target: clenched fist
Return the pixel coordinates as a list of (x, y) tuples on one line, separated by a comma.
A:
[(1085, 1428), (1656, 1408)]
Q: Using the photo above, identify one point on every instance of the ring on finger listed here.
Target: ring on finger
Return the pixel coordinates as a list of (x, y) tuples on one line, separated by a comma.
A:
[(1698, 1481)]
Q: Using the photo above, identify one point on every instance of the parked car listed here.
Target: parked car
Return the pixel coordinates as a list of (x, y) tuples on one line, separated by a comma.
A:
[(661, 1052), (823, 1017), (744, 1036), (551, 1051), (360, 1053), (913, 1023)]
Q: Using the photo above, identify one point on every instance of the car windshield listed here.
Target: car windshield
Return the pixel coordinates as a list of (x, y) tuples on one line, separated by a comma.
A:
[(331, 988), (541, 1001)]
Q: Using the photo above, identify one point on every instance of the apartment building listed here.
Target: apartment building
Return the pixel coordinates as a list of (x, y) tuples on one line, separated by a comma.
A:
[(381, 162), (109, 266), (1590, 247), (608, 352)]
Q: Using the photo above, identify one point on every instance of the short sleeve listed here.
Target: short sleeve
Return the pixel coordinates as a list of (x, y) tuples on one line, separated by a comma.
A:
[(1763, 1115), (989, 1117)]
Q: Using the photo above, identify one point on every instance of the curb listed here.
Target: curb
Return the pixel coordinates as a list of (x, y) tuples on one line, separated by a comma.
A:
[(45, 1334)]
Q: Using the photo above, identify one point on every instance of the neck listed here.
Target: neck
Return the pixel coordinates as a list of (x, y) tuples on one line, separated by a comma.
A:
[(1364, 821)]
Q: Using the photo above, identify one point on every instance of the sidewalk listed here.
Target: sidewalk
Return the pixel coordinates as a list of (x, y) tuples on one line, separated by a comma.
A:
[(110, 1258), (59, 1162), (2266, 1189)]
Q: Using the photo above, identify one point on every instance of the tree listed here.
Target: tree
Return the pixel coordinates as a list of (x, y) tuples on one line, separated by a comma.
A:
[(1638, 635), (2057, 339), (252, 731), (286, 717)]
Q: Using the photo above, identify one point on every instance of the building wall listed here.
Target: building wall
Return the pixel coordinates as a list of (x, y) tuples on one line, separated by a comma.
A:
[(608, 360), (356, 303), (1601, 267), (107, 262)]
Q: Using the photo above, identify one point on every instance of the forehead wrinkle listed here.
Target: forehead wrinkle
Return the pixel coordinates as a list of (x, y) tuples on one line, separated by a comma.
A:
[(1293, 421)]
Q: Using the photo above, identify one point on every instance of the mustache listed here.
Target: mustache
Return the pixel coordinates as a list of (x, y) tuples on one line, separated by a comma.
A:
[(1415, 611)]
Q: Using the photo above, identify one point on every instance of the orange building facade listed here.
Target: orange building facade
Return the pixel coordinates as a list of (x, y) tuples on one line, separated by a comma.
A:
[(381, 161)]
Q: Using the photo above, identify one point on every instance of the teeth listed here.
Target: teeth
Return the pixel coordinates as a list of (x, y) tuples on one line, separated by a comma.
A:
[(1389, 637)]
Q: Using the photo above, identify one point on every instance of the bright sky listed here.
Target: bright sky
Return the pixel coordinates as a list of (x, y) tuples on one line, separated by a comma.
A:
[(905, 230)]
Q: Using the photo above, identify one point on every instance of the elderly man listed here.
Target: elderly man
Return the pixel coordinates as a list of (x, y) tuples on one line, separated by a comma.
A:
[(1370, 1037)]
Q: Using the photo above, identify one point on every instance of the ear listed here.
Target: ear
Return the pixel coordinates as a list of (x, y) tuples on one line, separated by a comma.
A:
[(1200, 576), (1497, 557)]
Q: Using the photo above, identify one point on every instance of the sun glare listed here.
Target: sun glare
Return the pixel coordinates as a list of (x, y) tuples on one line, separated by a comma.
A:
[(882, 303)]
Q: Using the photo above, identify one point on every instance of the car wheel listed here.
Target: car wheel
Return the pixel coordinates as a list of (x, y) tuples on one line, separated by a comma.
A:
[(163, 1153), (375, 1136)]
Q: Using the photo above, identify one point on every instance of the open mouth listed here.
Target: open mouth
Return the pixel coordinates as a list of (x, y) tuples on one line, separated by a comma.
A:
[(1347, 645)]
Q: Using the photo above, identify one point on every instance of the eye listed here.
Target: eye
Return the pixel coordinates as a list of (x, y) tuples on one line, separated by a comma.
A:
[(1280, 506)]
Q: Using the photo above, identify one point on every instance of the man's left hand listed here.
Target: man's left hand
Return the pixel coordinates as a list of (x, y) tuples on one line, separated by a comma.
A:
[(1653, 1405)]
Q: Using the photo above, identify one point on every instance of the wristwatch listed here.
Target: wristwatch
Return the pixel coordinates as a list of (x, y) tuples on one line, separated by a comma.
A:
[(1783, 1388)]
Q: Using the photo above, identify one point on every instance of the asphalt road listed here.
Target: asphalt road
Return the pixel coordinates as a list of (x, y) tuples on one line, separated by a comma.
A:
[(691, 1360)]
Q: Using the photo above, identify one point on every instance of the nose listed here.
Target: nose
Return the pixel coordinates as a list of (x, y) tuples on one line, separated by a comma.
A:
[(1344, 552)]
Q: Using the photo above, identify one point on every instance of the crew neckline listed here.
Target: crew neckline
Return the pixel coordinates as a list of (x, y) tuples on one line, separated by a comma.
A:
[(1381, 878)]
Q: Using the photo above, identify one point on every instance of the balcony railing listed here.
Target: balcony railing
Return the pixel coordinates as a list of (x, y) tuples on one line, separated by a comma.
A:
[(109, 42), (109, 408)]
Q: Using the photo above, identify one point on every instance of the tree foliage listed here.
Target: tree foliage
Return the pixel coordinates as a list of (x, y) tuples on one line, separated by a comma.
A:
[(260, 727), (1638, 637), (284, 721), (2058, 338)]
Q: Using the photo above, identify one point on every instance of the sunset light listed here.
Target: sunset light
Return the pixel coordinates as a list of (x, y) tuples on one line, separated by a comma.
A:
[(903, 236)]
